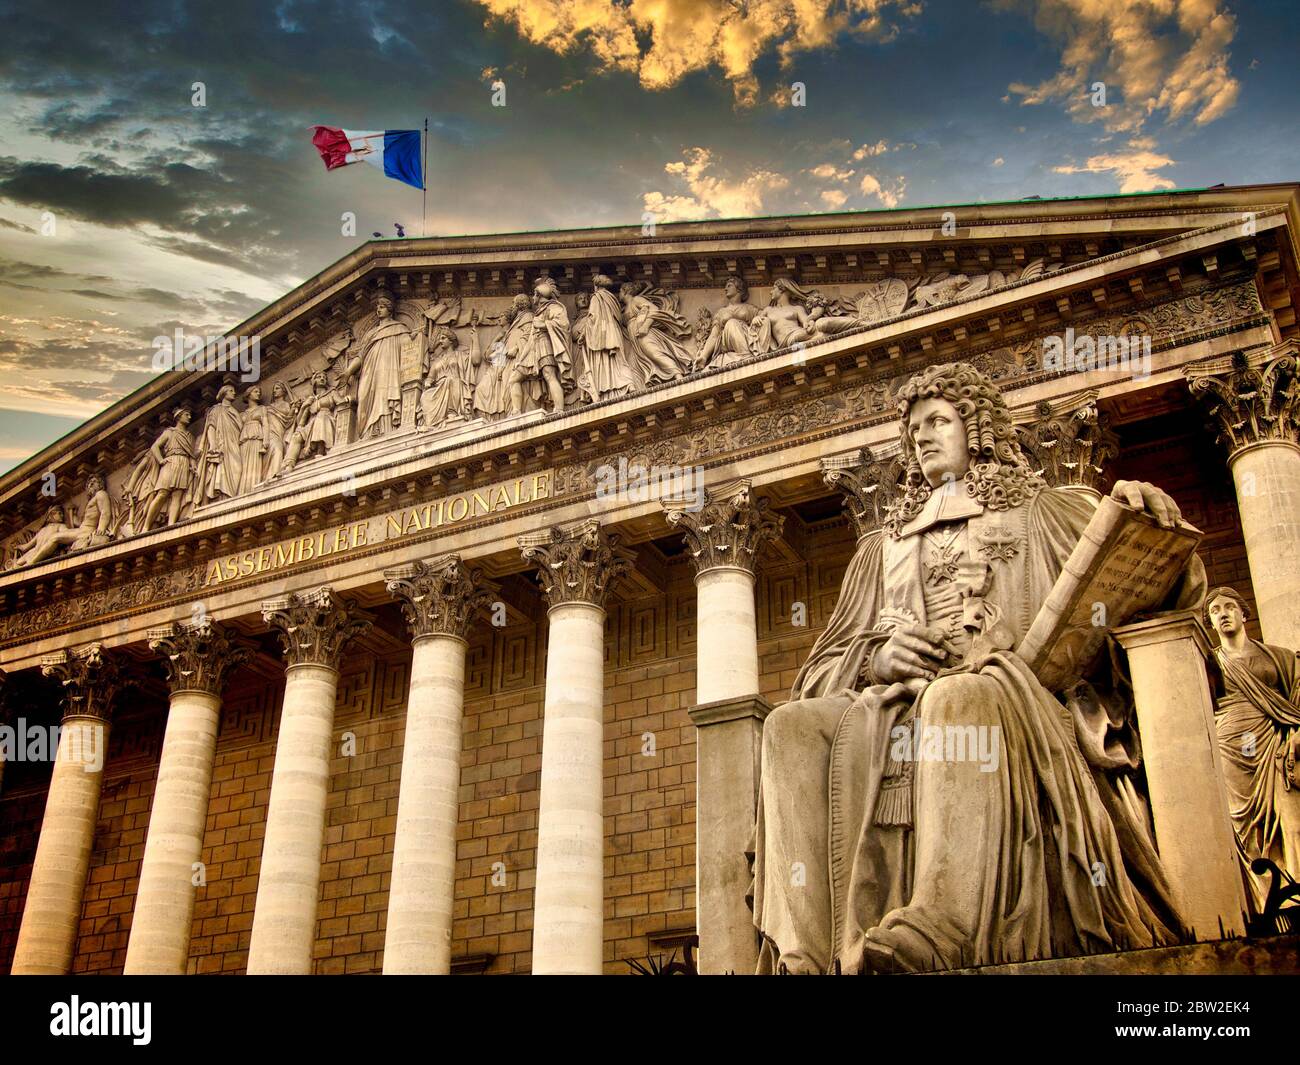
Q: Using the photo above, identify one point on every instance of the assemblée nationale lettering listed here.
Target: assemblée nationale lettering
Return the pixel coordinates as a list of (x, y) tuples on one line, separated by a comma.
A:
[(419, 517)]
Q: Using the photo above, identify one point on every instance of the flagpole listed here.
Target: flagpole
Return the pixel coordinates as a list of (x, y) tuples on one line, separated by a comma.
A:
[(424, 182)]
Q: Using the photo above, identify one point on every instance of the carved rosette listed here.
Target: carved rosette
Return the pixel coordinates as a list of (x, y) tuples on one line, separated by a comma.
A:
[(90, 677), (1253, 396), (439, 597), (870, 486), (576, 563), (314, 626), (728, 530), (199, 656), (1069, 442)]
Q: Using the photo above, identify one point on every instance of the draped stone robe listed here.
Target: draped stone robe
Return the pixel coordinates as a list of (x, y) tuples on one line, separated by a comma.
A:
[(1258, 708), (868, 855)]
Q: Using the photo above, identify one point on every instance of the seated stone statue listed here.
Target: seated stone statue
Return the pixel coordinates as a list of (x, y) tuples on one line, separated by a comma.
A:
[(95, 529), (1258, 721), (925, 802)]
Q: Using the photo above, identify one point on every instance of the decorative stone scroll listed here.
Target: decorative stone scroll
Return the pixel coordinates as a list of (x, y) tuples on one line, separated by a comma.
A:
[(90, 677), (576, 563), (870, 486), (199, 656), (438, 597), (729, 529), (314, 626)]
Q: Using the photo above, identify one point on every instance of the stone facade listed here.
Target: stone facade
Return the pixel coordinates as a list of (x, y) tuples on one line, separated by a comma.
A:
[(691, 453)]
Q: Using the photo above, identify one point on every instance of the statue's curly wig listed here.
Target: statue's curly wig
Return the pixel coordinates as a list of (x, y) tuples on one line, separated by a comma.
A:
[(999, 476)]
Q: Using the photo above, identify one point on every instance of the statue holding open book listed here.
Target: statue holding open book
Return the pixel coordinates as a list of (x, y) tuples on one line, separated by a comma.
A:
[(955, 780)]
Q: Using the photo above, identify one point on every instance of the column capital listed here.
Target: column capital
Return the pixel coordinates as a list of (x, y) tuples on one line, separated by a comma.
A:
[(728, 530), (90, 677), (197, 656), (576, 563), (439, 597), (314, 626), (1068, 441), (1253, 396), (869, 485)]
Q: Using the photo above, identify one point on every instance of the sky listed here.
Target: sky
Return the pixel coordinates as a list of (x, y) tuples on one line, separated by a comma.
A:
[(156, 168)]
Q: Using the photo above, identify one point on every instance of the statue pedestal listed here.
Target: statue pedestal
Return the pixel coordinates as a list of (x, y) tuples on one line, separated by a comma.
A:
[(1180, 748), (728, 745)]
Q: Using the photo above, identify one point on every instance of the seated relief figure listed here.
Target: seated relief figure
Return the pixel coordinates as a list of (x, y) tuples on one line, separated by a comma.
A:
[(873, 854), (784, 321), (1258, 722), (449, 378), (727, 341), (313, 431), (97, 526), (491, 390)]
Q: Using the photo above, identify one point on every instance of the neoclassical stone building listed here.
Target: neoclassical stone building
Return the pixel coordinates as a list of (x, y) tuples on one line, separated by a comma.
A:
[(442, 640)]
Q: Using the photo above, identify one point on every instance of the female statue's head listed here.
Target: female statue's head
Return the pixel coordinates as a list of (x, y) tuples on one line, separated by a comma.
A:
[(582, 300), (182, 417), (226, 394), (444, 339), (278, 391), (785, 292), (319, 380), (955, 428), (254, 395), (384, 305), (1226, 610), (735, 289)]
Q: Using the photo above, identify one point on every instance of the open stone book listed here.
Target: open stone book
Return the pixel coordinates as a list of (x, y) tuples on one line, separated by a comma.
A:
[(1124, 565)]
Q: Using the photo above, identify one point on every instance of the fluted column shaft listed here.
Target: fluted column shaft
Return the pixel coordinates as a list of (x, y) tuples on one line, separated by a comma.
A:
[(576, 566), (198, 659), (438, 599), (314, 628), (48, 933), (724, 536)]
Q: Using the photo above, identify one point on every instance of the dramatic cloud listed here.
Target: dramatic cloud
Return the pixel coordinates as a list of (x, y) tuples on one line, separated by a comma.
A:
[(1153, 56), (889, 195), (711, 195), (1135, 167), (662, 41)]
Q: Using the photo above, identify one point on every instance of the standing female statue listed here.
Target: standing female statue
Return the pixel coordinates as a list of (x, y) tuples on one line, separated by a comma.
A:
[(611, 369), (254, 446), (280, 414), (1258, 721)]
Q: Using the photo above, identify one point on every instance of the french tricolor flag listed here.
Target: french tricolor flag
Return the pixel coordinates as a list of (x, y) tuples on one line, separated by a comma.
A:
[(394, 151)]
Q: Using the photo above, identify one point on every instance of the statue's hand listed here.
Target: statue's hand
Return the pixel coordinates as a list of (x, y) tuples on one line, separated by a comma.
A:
[(1143, 496), (881, 697), (911, 652)]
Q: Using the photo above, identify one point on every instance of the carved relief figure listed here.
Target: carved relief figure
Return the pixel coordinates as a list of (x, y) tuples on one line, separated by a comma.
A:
[(944, 287), (254, 441), (659, 336), (220, 465), (448, 394), (163, 477), (280, 415), (491, 393), (879, 301), (313, 432), (544, 362), (783, 321), (53, 534), (610, 361), (728, 338), (377, 361), (97, 527), (943, 861), (1258, 722)]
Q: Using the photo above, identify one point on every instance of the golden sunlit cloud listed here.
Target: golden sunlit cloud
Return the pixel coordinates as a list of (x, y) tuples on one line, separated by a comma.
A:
[(711, 195), (1166, 56), (1136, 168), (662, 41)]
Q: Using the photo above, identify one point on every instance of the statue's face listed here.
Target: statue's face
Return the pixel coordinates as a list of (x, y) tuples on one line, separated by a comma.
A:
[(183, 419), (255, 395), (1225, 615), (546, 290), (938, 437), (383, 309), (732, 290)]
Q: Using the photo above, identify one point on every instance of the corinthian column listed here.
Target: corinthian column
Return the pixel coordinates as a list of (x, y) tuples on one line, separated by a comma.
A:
[(313, 627), (576, 566), (724, 537), (197, 658), (1254, 398), (48, 933), (439, 600)]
